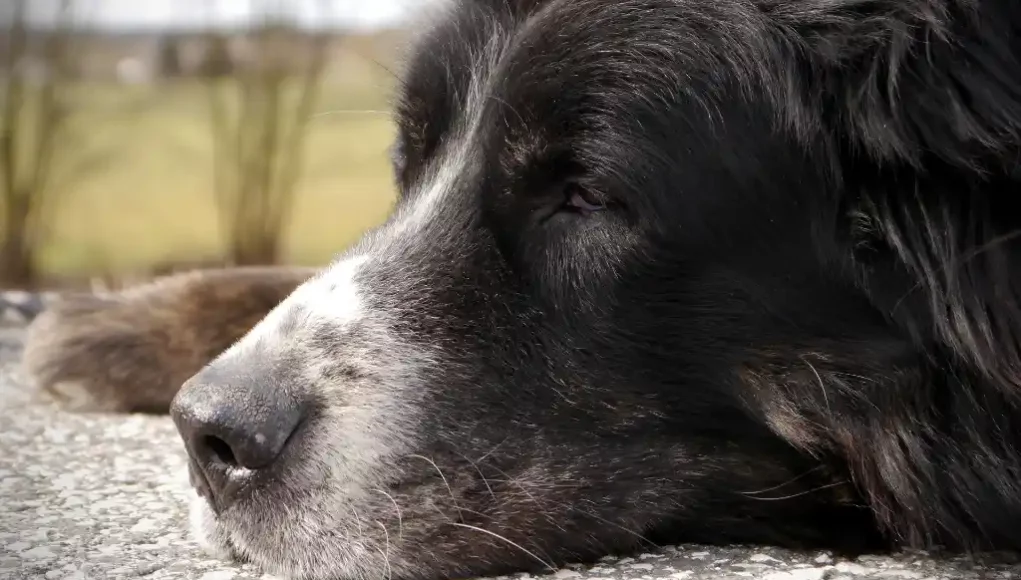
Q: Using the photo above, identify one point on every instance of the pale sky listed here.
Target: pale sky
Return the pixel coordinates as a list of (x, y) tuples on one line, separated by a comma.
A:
[(191, 13)]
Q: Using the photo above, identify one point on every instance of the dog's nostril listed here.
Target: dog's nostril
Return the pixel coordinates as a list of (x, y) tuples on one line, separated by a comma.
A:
[(220, 450), (232, 427)]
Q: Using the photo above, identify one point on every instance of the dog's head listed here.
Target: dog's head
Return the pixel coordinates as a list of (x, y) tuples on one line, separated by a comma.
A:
[(628, 260)]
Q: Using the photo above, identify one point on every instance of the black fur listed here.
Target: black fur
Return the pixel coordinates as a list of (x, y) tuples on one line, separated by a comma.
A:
[(806, 256), (665, 270)]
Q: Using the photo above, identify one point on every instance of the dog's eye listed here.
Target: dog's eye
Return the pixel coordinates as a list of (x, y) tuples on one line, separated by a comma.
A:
[(582, 200)]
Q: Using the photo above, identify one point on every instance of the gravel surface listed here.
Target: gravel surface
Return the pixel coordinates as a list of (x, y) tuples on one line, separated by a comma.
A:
[(93, 497)]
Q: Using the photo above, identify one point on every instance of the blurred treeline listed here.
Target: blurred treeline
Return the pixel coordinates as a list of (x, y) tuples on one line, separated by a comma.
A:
[(124, 154)]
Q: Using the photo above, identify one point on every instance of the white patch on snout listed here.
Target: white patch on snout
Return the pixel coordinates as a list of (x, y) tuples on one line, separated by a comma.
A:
[(331, 296)]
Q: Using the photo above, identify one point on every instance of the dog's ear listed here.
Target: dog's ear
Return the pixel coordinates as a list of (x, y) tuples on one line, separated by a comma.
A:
[(936, 84), (939, 262), (911, 79)]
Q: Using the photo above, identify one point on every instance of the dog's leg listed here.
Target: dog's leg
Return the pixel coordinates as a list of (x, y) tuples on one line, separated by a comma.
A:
[(130, 351)]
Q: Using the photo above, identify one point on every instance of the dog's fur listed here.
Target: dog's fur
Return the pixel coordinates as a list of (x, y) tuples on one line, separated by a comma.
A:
[(665, 270)]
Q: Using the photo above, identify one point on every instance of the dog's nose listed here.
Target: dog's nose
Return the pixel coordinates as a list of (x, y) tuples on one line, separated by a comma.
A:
[(231, 422)]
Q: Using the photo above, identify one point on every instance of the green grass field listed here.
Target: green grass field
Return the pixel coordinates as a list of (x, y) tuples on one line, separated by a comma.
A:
[(152, 200)]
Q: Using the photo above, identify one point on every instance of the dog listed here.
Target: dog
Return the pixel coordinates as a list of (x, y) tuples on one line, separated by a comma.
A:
[(708, 271)]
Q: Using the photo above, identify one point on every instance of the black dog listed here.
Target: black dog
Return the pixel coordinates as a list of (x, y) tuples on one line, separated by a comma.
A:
[(666, 270)]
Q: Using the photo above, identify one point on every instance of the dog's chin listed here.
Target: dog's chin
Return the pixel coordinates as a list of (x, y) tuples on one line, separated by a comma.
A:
[(312, 556), (207, 532)]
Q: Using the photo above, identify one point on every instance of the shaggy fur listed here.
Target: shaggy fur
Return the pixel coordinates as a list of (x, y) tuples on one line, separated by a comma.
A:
[(660, 271), (130, 351)]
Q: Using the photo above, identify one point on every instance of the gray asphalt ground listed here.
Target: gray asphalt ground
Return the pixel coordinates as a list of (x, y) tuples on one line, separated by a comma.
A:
[(91, 497)]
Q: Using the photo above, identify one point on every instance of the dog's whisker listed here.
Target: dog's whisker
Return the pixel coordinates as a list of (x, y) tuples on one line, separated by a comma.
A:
[(400, 518), (386, 554), (822, 384), (482, 475), (603, 520), (548, 565), (513, 481), (358, 521), (785, 483), (802, 493), (491, 451), (450, 490)]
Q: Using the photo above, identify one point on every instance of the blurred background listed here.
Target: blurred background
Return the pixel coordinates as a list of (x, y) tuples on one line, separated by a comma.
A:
[(142, 137)]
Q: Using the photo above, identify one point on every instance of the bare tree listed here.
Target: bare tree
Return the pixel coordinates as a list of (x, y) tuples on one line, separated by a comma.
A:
[(259, 120), (33, 118), (217, 62), (169, 65), (40, 152)]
